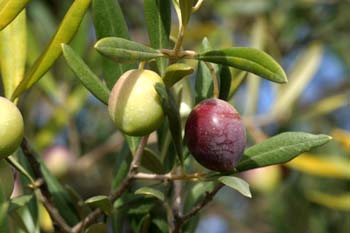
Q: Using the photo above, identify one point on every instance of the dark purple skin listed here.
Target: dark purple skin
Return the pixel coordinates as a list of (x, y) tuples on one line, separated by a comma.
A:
[(215, 135)]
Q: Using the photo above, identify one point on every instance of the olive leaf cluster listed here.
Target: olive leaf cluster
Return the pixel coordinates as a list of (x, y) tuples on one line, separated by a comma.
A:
[(142, 86)]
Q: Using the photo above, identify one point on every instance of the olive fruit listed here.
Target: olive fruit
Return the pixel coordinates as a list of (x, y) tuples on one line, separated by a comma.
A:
[(134, 104), (7, 180), (215, 135), (11, 127)]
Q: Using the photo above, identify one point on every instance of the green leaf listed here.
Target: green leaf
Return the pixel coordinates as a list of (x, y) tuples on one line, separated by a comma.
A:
[(97, 228), (248, 59), (9, 9), (186, 11), (151, 192), (121, 167), (85, 75), (109, 21), (122, 50), (204, 80), (18, 202), (175, 73), (13, 47), (280, 149), (64, 34), (172, 112), (158, 21), (100, 201), (151, 161), (60, 197), (133, 142), (225, 82), (236, 82), (237, 184)]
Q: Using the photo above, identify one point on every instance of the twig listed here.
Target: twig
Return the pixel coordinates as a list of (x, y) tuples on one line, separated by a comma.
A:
[(169, 176), (44, 192), (92, 217), (180, 220)]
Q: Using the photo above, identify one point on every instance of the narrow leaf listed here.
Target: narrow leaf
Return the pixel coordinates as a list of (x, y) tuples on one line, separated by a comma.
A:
[(237, 184), (64, 34), (85, 75), (151, 161), (122, 50), (13, 53), (109, 21), (280, 149), (186, 11), (9, 9), (225, 82), (175, 73), (172, 112), (97, 228), (158, 21), (121, 167), (151, 192), (100, 201), (19, 202), (60, 197), (248, 59)]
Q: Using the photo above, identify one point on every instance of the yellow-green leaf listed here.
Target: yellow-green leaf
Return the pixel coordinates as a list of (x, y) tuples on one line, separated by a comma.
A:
[(9, 9), (13, 53), (175, 73), (64, 34), (323, 166), (338, 202)]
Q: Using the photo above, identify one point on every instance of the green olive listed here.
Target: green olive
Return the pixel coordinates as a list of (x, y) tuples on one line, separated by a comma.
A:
[(6, 180), (11, 127), (134, 104)]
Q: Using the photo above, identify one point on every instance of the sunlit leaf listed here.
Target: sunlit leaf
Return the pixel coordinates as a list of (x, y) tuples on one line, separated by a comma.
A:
[(248, 59), (13, 47), (122, 50), (333, 201), (237, 184), (85, 75), (9, 9), (280, 149), (324, 166), (302, 72), (64, 34)]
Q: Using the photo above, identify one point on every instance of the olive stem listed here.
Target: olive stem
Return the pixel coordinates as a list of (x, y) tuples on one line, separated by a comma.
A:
[(179, 40), (215, 80), (142, 65)]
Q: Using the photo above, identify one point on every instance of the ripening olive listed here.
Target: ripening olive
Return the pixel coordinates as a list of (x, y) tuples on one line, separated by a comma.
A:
[(215, 135), (134, 104)]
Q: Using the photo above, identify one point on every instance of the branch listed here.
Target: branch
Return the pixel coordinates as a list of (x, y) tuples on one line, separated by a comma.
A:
[(44, 192), (135, 163), (180, 220)]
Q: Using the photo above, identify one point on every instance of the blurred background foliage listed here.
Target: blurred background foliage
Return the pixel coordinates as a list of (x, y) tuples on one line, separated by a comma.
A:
[(310, 38)]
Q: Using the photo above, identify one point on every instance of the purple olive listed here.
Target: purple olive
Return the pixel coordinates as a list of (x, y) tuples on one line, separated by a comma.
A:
[(215, 135)]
